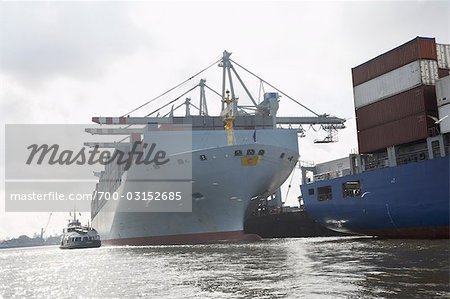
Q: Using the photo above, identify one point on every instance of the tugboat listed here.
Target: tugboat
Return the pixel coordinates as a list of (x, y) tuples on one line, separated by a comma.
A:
[(78, 236)]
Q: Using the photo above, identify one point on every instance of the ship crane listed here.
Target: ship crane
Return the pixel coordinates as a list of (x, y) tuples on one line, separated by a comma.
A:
[(234, 155), (266, 110)]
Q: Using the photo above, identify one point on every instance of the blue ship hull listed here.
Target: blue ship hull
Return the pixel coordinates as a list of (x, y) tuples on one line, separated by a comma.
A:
[(407, 201)]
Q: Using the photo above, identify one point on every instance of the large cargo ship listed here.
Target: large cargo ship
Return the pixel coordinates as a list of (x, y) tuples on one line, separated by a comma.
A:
[(242, 155), (398, 184)]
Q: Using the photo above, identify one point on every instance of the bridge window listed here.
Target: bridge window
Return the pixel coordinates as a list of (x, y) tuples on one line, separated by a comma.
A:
[(324, 193), (311, 191), (351, 189)]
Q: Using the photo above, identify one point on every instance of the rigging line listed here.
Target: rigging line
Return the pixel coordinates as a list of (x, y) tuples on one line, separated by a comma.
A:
[(290, 182), (174, 109), (259, 91), (314, 129), (176, 99), (171, 89), (213, 91), (289, 97), (194, 106), (123, 138)]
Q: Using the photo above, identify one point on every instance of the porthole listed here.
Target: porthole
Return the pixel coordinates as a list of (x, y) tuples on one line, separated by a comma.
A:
[(203, 158), (282, 155), (250, 152), (261, 152), (238, 153)]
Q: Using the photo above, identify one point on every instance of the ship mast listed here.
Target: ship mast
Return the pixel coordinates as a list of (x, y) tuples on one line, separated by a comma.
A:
[(229, 118)]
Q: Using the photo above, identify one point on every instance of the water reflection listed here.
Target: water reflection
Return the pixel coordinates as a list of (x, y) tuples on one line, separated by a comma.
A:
[(286, 268), (384, 268)]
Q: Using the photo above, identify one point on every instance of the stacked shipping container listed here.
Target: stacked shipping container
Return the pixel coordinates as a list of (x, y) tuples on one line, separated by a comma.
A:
[(443, 59), (443, 86), (394, 94), (443, 101), (418, 48), (416, 100)]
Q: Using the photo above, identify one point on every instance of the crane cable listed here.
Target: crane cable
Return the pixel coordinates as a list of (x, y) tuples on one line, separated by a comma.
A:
[(289, 97), (178, 85), (290, 182), (173, 101)]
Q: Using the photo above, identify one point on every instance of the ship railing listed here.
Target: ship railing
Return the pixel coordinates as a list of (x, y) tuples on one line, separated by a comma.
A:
[(375, 164), (433, 131), (307, 164), (415, 156), (331, 174)]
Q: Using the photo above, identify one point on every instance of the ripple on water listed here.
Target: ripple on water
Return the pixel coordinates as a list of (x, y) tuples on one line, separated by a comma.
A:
[(284, 268)]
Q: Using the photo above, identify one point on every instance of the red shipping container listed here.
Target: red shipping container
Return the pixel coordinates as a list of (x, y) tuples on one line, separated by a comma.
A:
[(443, 73), (418, 48), (421, 99), (408, 129)]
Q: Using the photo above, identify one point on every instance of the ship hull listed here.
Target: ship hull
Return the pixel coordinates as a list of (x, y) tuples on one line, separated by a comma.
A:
[(407, 201), (223, 186), (200, 238), (82, 245)]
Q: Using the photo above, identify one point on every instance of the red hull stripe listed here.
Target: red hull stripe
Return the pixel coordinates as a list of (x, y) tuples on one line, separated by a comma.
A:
[(412, 233), (201, 238)]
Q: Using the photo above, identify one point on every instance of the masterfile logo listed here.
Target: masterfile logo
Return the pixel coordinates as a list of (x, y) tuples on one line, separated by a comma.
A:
[(119, 157), (57, 167)]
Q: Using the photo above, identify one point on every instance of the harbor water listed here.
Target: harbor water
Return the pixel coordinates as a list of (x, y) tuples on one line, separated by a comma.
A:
[(331, 267)]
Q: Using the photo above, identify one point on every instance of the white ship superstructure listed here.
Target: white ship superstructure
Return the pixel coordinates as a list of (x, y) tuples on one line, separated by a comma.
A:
[(230, 159)]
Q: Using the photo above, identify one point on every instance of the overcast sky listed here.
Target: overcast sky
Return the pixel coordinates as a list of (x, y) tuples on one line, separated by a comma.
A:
[(66, 62)]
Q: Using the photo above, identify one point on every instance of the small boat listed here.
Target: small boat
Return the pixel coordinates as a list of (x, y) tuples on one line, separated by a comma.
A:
[(79, 236)]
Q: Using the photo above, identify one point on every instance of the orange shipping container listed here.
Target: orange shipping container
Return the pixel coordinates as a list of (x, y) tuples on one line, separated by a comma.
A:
[(408, 129), (443, 72), (418, 48), (421, 99)]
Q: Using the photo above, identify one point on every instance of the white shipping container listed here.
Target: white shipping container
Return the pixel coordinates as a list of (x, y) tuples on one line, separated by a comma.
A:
[(443, 56), (443, 91), (333, 166), (444, 111), (401, 79)]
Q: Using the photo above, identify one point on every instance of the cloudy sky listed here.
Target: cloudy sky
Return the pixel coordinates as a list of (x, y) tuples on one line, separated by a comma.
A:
[(66, 62)]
